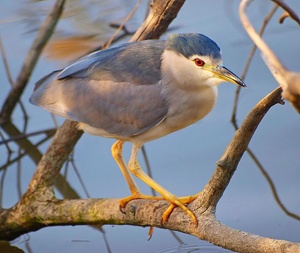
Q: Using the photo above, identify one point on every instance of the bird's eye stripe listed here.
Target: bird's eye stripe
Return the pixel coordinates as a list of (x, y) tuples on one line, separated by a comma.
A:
[(199, 62)]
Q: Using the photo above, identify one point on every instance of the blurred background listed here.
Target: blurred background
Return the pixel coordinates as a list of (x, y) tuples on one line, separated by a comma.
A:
[(181, 162)]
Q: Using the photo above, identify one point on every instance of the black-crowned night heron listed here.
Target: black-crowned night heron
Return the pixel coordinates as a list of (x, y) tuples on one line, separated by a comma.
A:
[(138, 92)]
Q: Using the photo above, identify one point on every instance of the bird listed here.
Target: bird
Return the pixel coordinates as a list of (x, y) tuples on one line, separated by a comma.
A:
[(137, 92)]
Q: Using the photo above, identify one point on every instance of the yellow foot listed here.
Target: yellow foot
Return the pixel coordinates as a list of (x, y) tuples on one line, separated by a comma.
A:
[(185, 201), (123, 202), (180, 202)]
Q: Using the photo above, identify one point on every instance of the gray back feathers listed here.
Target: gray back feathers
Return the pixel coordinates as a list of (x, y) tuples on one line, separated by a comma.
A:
[(128, 62)]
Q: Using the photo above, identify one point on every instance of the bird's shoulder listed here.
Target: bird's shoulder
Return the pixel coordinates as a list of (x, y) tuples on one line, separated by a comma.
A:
[(135, 62)]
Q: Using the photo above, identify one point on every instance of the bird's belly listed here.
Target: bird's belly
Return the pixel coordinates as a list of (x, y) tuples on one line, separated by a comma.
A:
[(181, 114), (94, 131)]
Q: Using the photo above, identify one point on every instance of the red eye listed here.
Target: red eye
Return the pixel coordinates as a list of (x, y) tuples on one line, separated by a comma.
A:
[(199, 62)]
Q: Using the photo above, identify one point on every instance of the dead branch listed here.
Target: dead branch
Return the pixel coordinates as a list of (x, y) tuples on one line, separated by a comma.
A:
[(288, 80), (228, 163), (121, 26), (288, 11), (247, 66), (160, 16)]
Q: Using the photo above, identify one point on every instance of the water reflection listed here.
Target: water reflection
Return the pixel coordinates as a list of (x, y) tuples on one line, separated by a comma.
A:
[(186, 248), (81, 29), (6, 247)]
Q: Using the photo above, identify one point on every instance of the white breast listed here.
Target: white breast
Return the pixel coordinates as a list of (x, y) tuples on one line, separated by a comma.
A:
[(189, 97)]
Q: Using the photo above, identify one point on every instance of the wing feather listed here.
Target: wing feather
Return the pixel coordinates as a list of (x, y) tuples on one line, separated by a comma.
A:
[(108, 91), (135, 62)]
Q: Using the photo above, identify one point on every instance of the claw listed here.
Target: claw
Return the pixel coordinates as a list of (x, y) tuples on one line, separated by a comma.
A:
[(121, 208), (150, 233), (175, 202), (167, 213), (184, 200), (123, 202)]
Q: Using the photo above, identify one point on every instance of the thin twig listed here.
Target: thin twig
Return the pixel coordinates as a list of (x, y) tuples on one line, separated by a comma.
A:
[(30, 61), (148, 168), (257, 39), (5, 143), (272, 186), (129, 16), (79, 176), (26, 152), (246, 68), (288, 80), (5, 63), (9, 77), (106, 241), (48, 132), (289, 10)]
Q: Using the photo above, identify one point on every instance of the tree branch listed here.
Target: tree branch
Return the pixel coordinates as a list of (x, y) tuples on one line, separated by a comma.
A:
[(288, 80), (288, 10), (161, 15), (54, 158), (229, 161)]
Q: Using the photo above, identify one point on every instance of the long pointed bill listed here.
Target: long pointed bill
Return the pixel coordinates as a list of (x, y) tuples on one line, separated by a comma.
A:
[(226, 75)]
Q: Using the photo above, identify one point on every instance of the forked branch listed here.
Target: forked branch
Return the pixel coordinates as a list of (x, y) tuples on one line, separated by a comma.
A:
[(288, 80)]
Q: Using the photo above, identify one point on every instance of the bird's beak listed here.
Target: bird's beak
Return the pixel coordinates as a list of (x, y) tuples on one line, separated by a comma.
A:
[(226, 75)]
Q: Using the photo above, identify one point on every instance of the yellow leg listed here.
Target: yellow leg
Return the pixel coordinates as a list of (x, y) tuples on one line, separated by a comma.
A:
[(117, 149), (135, 168)]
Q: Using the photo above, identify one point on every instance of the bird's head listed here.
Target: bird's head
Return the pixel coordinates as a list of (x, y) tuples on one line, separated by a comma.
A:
[(194, 59)]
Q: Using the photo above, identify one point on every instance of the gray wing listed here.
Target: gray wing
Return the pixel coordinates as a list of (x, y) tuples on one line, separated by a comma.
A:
[(136, 62), (117, 90)]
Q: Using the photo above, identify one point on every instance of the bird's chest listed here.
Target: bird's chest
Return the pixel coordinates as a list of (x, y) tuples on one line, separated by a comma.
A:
[(187, 107)]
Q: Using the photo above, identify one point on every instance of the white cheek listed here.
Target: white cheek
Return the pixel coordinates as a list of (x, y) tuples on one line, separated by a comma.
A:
[(214, 81), (184, 73), (208, 78), (203, 77)]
